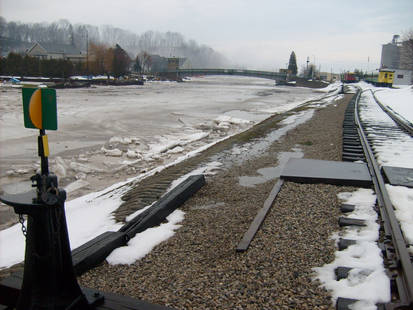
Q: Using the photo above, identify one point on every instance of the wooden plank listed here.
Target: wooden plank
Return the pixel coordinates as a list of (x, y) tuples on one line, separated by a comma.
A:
[(259, 218), (156, 214), (95, 251)]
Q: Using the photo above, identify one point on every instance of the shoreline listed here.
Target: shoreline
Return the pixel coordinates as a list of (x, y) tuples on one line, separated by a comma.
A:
[(70, 165)]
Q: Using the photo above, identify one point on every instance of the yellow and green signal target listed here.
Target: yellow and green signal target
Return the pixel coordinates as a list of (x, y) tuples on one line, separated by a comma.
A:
[(39, 108)]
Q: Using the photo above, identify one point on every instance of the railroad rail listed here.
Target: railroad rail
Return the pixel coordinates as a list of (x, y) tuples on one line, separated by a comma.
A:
[(400, 120), (397, 259)]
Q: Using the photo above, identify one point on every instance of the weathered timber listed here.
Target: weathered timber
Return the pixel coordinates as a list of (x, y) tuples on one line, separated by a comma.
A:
[(154, 215), (259, 218), (95, 251), (345, 303), (346, 221), (345, 243), (346, 208), (342, 272)]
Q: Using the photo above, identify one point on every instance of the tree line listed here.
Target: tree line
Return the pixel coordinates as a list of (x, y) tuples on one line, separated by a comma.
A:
[(109, 61), (16, 64), (169, 44)]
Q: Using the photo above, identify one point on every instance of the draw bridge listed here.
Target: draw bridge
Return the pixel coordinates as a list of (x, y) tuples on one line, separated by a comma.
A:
[(277, 76)]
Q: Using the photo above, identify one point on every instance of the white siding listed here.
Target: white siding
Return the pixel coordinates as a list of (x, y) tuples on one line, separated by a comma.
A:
[(402, 77)]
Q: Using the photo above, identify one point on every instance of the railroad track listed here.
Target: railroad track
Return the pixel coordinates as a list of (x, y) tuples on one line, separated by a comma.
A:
[(362, 139)]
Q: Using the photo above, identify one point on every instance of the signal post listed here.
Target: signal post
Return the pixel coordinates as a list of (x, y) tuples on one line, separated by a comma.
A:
[(49, 280)]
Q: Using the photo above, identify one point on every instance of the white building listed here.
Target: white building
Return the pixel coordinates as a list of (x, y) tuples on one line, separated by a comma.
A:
[(56, 51), (403, 77), (390, 54), (390, 59)]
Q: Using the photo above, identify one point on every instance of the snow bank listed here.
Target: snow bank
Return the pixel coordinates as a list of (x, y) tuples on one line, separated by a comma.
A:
[(143, 243)]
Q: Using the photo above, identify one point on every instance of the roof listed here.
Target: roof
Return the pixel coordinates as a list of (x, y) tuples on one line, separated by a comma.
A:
[(57, 48)]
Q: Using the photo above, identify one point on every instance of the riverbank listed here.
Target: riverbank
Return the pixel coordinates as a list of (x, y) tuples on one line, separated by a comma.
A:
[(198, 268), (109, 134)]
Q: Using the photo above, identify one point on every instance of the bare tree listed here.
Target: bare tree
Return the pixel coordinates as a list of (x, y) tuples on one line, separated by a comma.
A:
[(152, 42), (406, 53)]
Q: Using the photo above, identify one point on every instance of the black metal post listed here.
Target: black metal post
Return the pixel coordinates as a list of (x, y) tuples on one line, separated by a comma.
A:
[(44, 161), (49, 280)]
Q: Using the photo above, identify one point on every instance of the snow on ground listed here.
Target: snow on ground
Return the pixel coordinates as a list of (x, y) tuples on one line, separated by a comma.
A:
[(399, 100), (83, 224), (145, 241), (367, 281), (87, 217), (396, 150), (223, 111), (402, 199)]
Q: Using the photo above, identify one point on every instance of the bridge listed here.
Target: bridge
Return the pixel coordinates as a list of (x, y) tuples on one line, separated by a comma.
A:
[(277, 76)]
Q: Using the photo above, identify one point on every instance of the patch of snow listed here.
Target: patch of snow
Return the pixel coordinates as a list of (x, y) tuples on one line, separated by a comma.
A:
[(87, 217), (367, 280), (399, 100), (144, 242), (402, 199)]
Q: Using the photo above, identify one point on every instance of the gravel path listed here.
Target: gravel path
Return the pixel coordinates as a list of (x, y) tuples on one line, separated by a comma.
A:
[(198, 268)]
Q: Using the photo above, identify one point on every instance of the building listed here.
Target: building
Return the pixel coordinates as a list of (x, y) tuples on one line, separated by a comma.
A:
[(159, 64), (390, 54), (329, 76), (390, 59), (56, 51), (403, 77)]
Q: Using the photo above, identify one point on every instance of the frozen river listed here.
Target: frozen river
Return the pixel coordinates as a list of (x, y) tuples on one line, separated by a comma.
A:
[(107, 133)]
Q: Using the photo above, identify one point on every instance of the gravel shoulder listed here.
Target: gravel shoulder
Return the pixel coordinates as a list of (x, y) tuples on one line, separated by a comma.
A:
[(198, 268)]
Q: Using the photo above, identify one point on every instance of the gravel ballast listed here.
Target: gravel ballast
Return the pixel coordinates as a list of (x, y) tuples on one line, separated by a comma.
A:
[(199, 268)]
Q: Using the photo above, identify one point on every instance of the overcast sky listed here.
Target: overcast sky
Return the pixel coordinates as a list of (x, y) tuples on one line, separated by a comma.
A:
[(336, 35)]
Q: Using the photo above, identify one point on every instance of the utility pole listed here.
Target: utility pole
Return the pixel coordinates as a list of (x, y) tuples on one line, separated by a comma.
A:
[(331, 74), (87, 54), (368, 64)]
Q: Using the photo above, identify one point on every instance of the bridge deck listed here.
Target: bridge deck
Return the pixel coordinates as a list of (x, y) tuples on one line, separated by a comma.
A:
[(241, 72)]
